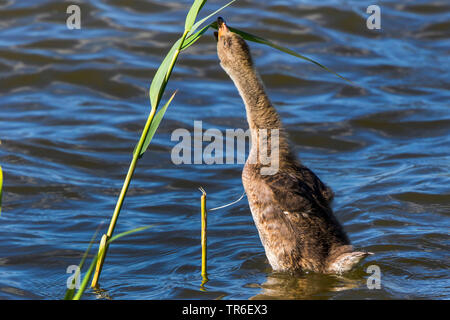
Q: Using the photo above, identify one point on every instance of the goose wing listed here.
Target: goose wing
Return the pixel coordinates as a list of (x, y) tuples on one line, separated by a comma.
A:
[(300, 191)]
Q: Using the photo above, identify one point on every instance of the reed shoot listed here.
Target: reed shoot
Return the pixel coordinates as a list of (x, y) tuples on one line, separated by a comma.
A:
[(70, 292)]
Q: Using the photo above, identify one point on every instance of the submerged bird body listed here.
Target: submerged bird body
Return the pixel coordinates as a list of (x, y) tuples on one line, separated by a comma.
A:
[(290, 206)]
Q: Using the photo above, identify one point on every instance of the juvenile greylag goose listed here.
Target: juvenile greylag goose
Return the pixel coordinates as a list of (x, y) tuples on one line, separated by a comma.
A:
[(290, 206)]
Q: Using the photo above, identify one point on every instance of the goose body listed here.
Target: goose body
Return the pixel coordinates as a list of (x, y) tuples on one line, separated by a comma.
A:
[(291, 205)]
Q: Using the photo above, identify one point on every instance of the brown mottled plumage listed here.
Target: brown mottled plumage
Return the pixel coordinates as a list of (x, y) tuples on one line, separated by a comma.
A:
[(291, 208)]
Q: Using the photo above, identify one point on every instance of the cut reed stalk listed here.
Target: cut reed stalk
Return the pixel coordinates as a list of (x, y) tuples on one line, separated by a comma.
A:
[(204, 227), (204, 232)]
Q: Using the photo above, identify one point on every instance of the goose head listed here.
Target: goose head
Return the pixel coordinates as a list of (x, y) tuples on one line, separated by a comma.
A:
[(233, 51)]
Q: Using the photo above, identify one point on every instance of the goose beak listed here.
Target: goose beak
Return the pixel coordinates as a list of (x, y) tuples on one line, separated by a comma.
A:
[(222, 27)]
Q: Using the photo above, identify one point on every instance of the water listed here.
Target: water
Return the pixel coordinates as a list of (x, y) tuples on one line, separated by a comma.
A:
[(73, 103)]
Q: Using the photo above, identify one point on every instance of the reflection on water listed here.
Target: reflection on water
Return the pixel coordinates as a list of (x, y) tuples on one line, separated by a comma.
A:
[(73, 103), (310, 286), (101, 294)]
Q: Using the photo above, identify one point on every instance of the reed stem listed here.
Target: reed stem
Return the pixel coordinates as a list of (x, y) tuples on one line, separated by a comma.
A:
[(204, 235), (120, 200)]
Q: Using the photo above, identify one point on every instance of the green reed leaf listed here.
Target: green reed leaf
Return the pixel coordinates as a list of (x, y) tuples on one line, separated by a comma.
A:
[(192, 14), (91, 269), (257, 39), (86, 279), (161, 77), (126, 233), (155, 124)]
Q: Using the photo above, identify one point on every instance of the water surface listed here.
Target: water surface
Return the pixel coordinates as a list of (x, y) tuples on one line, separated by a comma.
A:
[(73, 104)]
